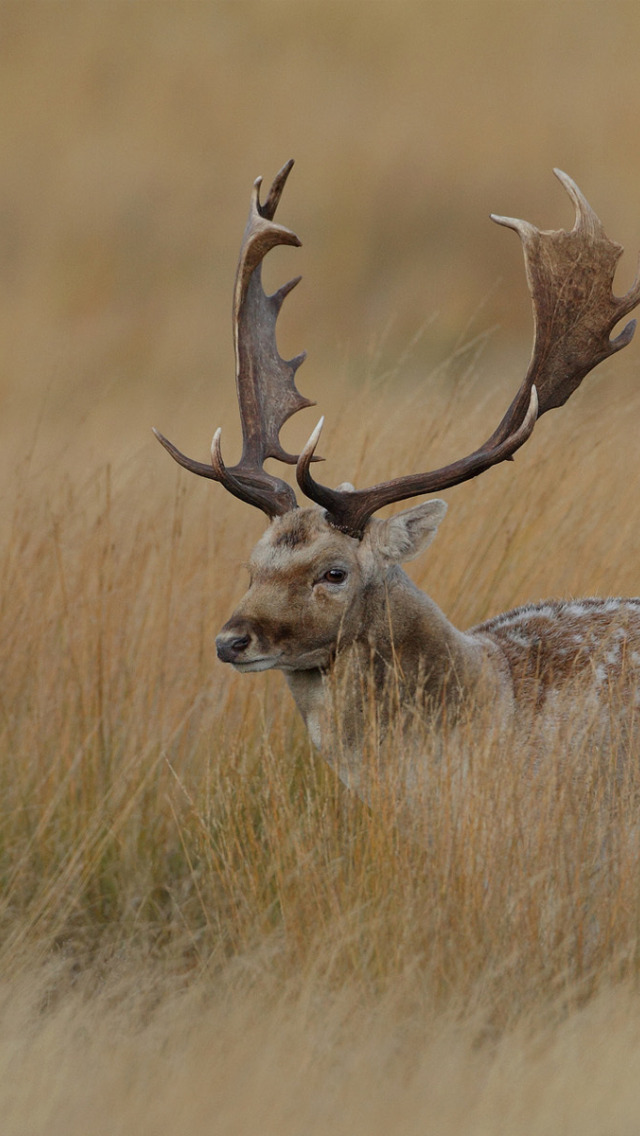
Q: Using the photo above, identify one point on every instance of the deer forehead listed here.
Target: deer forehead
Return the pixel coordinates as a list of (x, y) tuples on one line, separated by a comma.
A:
[(295, 543)]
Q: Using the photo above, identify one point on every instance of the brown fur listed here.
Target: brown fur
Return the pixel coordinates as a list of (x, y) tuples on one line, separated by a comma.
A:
[(363, 653)]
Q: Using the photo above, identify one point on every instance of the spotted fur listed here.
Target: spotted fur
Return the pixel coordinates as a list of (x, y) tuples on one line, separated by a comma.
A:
[(547, 646)]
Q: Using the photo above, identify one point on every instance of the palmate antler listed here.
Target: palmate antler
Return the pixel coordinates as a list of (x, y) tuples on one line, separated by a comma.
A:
[(570, 277), (265, 383)]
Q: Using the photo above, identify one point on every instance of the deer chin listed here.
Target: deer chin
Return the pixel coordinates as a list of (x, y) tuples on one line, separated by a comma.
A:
[(266, 663), (312, 660)]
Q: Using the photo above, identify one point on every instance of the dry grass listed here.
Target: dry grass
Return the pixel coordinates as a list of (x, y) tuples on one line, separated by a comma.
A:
[(215, 899), (199, 929)]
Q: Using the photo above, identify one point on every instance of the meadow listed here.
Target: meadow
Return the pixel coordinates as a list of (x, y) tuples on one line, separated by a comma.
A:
[(200, 929)]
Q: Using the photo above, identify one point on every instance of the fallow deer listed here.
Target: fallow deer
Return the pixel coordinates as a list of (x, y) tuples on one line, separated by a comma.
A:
[(327, 596)]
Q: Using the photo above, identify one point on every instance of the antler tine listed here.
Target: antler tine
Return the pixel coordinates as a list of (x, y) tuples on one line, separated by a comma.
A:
[(265, 383), (570, 276)]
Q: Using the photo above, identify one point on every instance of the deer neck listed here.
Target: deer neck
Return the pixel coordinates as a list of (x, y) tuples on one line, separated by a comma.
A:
[(407, 632), (404, 652)]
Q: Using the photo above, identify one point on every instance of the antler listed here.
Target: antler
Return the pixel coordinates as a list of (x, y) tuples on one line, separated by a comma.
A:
[(265, 383), (570, 276)]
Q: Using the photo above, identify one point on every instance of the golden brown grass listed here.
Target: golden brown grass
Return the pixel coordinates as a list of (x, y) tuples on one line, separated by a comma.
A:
[(203, 895), (200, 930)]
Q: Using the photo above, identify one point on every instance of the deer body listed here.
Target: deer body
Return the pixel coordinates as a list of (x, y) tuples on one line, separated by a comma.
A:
[(329, 604), (370, 643)]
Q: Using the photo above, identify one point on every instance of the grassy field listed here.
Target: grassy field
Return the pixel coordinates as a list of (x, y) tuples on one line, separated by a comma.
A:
[(200, 930)]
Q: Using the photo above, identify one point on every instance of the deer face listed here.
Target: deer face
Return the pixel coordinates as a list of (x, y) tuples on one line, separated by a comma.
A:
[(306, 583), (313, 588)]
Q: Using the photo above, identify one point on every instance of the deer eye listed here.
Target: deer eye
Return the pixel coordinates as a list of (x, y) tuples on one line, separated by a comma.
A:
[(335, 575)]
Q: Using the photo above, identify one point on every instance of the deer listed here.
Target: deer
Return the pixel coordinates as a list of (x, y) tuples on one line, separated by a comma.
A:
[(329, 603)]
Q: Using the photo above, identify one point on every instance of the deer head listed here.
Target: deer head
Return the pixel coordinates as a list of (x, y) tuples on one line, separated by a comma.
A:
[(315, 569)]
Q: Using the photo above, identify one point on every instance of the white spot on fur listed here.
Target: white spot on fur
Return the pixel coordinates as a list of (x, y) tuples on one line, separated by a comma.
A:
[(577, 609), (518, 638)]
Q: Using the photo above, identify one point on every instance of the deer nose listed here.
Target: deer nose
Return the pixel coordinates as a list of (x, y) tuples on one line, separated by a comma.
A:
[(230, 645)]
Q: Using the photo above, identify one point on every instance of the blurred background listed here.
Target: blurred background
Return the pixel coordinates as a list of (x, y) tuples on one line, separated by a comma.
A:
[(132, 132)]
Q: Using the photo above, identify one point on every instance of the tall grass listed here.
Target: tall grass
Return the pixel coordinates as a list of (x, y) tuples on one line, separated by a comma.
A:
[(166, 823)]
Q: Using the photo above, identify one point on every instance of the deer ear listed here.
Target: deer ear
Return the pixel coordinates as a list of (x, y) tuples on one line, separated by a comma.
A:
[(407, 534)]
